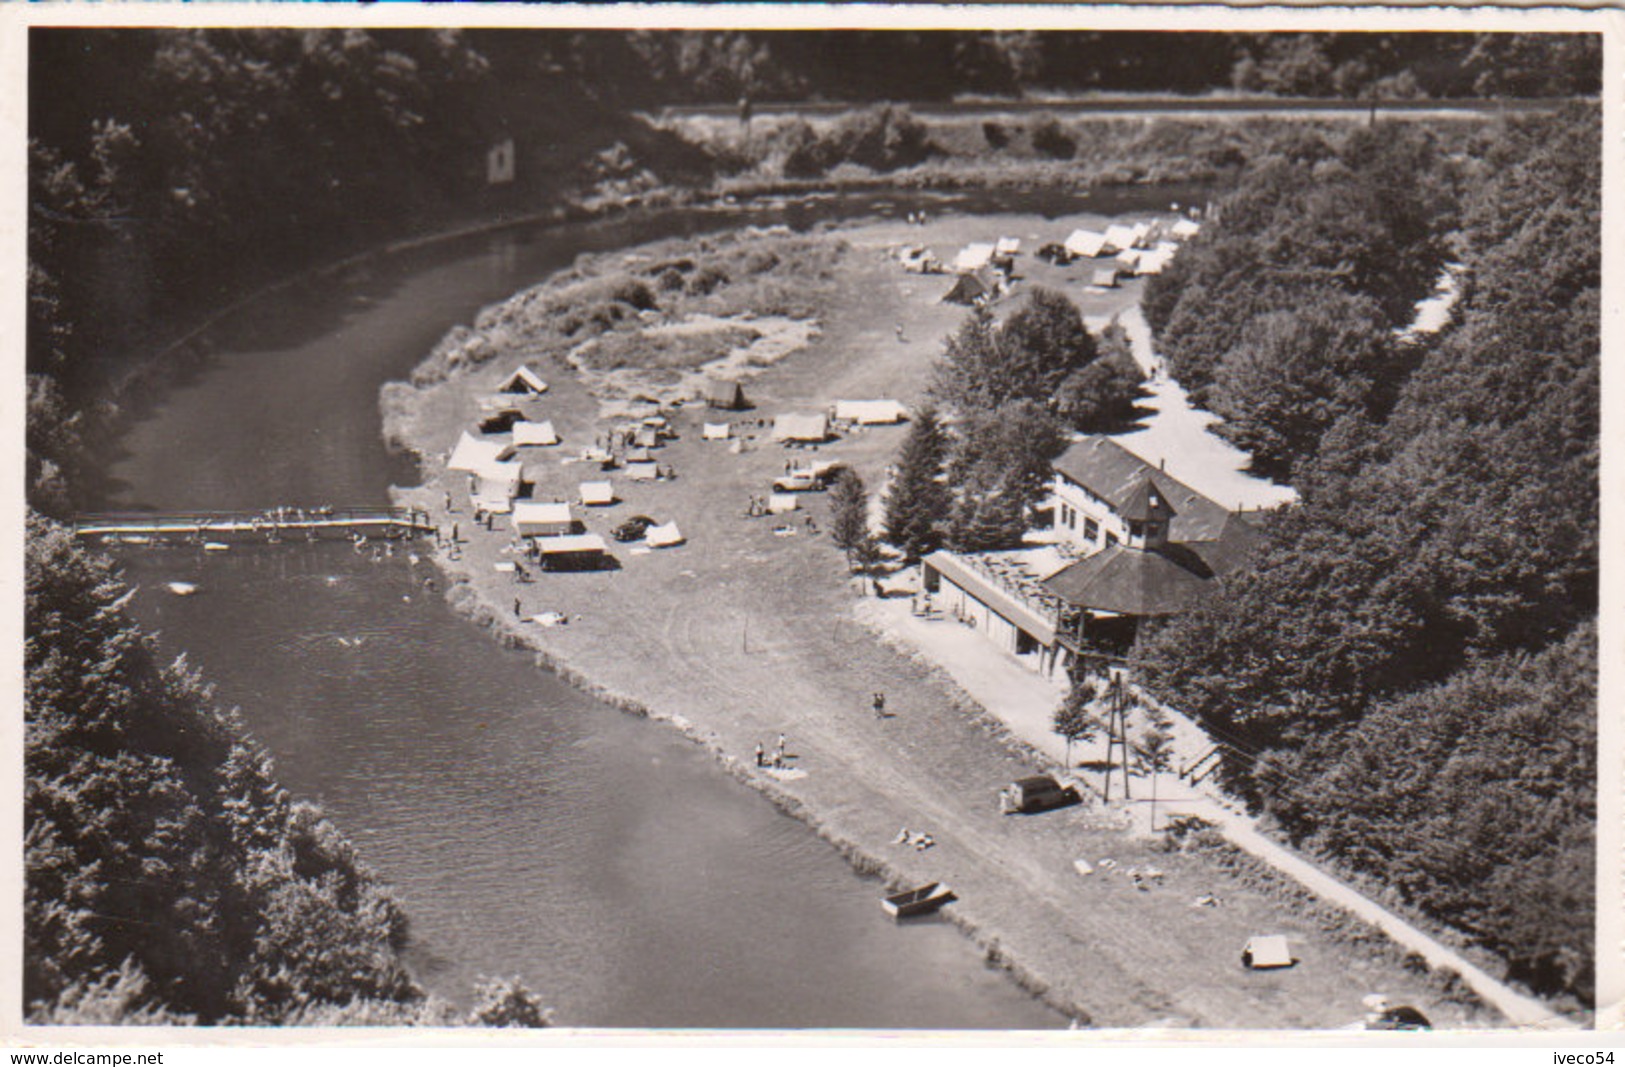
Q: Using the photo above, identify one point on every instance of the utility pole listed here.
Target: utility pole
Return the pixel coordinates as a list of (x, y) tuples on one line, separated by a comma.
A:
[(1117, 731)]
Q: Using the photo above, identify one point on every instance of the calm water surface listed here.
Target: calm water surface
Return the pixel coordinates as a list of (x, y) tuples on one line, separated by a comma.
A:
[(531, 830)]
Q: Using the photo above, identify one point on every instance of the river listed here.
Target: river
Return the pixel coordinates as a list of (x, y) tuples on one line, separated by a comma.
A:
[(529, 829)]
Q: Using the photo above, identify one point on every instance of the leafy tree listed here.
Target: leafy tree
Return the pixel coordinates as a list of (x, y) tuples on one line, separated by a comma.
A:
[(1000, 467), (985, 366), (868, 556), (1074, 718), (1153, 754), (506, 1002), (917, 502), (849, 512)]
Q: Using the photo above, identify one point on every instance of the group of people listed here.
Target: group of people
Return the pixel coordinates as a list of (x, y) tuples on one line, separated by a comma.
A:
[(778, 758), (921, 841)]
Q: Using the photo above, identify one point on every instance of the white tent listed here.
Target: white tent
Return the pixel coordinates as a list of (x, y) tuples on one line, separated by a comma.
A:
[(663, 536), (1104, 278), (814, 427), (1119, 238), (472, 454), (778, 503), (1270, 950), (642, 471), (523, 380), (870, 412), (1129, 260), (534, 518), (561, 552), (1152, 262), (1007, 246), (498, 485), (1142, 234), (716, 431), (597, 493), (1086, 243), (535, 433), (1186, 229), (973, 257)]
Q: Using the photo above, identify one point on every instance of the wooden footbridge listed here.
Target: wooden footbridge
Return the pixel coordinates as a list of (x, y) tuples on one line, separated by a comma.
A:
[(275, 525)]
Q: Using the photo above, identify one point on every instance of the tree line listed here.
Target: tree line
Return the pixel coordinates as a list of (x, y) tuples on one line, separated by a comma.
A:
[(1405, 678)]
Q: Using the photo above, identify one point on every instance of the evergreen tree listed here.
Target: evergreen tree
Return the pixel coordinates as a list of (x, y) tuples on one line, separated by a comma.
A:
[(1074, 719), (848, 512), (917, 502)]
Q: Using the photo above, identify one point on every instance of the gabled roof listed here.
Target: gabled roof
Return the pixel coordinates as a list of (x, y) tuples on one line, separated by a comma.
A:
[(523, 380), (1112, 472), (1145, 503), (1128, 581)]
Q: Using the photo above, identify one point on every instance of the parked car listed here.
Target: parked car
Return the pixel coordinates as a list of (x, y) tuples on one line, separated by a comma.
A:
[(1038, 793), (632, 528), (799, 482)]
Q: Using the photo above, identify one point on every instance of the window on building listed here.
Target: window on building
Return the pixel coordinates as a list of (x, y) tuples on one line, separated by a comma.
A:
[(1091, 530), (1111, 538)]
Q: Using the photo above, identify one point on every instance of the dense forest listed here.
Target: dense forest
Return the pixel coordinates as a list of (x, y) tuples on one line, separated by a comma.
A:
[(1406, 678)]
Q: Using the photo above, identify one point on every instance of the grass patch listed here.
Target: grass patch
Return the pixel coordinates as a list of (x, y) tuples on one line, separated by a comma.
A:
[(661, 351)]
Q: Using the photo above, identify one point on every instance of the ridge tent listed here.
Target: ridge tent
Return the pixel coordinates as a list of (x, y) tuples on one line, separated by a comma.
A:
[(779, 503), (1127, 261), (716, 431), (523, 380), (1263, 953), (663, 536), (729, 396), (597, 494), (533, 518), (973, 257), (1104, 278), (642, 471), (500, 419), (1086, 243), (1119, 238), (801, 427), (870, 412), (472, 454), (968, 289), (1007, 246), (1186, 228), (498, 485), (572, 552), (535, 433)]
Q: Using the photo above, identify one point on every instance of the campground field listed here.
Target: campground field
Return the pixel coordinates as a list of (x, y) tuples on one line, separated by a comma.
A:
[(748, 631)]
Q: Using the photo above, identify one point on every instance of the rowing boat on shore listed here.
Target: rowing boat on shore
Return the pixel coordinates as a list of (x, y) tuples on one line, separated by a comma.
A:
[(919, 901)]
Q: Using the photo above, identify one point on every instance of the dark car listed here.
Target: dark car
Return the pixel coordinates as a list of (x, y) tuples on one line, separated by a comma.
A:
[(1039, 793), (632, 528)]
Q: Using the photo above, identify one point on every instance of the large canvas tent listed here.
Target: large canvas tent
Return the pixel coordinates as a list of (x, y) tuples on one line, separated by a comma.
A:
[(1104, 278), (572, 552), (535, 433), (597, 494), (973, 257), (533, 518), (663, 536), (1185, 229), (870, 412), (1085, 243), (472, 455), (716, 431), (498, 485), (726, 395), (1268, 951), (801, 427), (967, 290), (523, 380), (1119, 238)]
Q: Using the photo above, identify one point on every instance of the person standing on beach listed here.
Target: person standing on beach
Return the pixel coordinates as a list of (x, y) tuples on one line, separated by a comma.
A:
[(516, 607), (880, 705), (761, 756)]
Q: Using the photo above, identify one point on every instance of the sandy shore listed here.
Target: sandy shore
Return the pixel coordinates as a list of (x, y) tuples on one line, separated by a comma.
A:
[(742, 634)]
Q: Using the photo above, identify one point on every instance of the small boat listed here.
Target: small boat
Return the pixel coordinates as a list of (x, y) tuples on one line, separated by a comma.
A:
[(215, 546), (181, 588), (920, 901)]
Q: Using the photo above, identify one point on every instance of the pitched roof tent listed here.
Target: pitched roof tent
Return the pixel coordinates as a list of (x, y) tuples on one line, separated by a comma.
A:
[(719, 393), (973, 257), (473, 455), (523, 380), (535, 433), (1112, 472), (1085, 243), (967, 290), (801, 427), (533, 518), (870, 412)]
